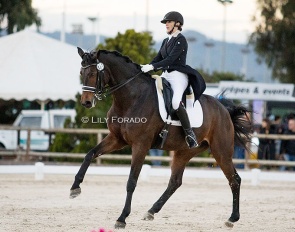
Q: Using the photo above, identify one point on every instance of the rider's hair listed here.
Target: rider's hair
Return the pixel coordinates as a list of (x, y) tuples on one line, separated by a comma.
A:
[(179, 26)]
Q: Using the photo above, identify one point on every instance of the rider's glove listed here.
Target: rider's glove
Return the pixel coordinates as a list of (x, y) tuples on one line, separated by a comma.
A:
[(146, 68)]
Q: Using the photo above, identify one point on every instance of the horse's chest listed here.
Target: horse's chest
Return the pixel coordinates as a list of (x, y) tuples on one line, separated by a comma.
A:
[(121, 130)]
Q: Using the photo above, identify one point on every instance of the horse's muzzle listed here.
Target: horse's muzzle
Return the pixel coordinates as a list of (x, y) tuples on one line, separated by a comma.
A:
[(87, 104), (88, 100)]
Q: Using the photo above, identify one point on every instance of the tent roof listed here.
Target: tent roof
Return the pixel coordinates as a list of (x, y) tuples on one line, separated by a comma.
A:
[(36, 67)]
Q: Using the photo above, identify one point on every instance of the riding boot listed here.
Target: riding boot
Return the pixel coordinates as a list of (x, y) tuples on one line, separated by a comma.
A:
[(190, 136)]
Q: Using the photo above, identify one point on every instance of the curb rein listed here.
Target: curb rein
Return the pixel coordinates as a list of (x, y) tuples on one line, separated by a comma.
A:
[(99, 91)]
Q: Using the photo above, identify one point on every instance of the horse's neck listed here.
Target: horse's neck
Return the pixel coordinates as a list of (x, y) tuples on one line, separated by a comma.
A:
[(139, 90)]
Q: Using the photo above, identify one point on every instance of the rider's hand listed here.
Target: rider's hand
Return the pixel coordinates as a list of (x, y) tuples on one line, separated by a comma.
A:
[(146, 68)]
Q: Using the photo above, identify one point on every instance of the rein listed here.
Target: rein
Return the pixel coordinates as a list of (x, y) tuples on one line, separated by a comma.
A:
[(99, 91)]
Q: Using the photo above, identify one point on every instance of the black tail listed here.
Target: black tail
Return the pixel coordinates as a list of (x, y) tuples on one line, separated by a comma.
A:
[(241, 121)]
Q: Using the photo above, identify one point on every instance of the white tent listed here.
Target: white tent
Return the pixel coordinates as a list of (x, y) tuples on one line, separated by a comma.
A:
[(36, 67)]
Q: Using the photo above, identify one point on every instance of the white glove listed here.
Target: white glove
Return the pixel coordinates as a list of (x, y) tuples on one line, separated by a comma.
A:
[(146, 68)]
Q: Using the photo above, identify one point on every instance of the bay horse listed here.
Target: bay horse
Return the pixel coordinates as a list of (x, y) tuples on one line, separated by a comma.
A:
[(134, 96)]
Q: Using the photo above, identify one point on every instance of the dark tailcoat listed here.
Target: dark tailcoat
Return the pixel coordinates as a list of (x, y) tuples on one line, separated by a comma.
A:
[(172, 57)]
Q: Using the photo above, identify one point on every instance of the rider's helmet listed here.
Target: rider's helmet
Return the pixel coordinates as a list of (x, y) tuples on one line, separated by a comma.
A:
[(173, 16)]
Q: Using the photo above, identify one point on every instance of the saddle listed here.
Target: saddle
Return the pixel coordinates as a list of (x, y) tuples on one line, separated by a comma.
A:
[(167, 93)]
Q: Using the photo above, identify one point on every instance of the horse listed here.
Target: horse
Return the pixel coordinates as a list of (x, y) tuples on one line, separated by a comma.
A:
[(134, 95)]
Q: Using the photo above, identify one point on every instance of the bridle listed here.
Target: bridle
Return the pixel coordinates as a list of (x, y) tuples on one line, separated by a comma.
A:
[(99, 90)]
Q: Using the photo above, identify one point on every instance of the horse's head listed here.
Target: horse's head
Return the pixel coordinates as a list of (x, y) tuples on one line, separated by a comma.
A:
[(105, 72), (92, 72)]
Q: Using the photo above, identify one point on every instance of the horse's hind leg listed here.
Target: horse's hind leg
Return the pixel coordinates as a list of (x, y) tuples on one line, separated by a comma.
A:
[(225, 162), (180, 159), (108, 144)]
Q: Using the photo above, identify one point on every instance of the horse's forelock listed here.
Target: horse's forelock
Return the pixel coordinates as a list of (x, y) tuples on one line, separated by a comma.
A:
[(89, 58)]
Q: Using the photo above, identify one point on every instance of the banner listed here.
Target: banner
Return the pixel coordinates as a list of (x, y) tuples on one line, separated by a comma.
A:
[(257, 91)]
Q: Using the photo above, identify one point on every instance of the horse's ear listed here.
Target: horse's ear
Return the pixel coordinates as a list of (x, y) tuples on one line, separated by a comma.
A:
[(80, 51)]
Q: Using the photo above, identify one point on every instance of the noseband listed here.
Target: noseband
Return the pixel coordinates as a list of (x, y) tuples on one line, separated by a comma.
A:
[(99, 90)]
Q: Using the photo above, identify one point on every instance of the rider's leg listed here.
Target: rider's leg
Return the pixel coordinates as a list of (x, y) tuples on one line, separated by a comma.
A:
[(179, 82), (190, 136)]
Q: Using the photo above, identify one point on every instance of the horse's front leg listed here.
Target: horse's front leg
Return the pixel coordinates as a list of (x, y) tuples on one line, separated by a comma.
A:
[(180, 159), (108, 144), (138, 156)]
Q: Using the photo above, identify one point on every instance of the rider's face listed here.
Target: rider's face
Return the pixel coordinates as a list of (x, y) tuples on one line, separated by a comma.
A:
[(169, 26)]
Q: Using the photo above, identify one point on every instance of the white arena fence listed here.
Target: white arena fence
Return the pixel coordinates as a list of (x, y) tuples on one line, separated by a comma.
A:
[(27, 154)]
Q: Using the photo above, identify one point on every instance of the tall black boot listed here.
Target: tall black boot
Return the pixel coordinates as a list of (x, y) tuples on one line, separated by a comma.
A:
[(190, 136)]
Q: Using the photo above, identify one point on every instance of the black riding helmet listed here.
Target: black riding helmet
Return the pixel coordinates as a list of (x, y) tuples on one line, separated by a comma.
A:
[(173, 16)]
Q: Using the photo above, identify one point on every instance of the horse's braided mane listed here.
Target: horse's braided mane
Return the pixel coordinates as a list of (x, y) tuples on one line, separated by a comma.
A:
[(126, 59), (116, 53)]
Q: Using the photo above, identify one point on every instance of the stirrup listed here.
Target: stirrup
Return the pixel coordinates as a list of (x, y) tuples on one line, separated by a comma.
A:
[(191, 141)]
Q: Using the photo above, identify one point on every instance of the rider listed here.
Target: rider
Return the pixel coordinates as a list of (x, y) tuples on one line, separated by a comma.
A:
[(171, 58)]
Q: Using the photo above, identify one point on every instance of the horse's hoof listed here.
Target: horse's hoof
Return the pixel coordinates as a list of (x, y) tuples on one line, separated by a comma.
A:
[(229, 224), (120, 225), (148, 216), (75, 192)]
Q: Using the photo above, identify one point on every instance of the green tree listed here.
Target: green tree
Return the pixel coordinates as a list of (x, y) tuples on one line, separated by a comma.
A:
[(274, 37), (136, 45), (19, 14)]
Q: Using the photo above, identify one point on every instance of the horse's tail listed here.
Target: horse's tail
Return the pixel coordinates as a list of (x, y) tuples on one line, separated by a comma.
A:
[(241, 121)]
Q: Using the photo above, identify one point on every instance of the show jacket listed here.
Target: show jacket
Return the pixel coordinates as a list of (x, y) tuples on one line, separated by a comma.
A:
[(172, 57)]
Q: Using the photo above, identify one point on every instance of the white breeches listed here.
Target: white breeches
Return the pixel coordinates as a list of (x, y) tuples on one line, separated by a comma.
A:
[(178, 82)]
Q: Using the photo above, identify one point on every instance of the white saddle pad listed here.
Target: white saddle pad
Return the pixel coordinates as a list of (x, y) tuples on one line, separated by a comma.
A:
[(194, 111)]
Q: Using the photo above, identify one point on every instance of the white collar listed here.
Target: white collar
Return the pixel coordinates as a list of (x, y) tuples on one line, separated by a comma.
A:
[(175, 34)]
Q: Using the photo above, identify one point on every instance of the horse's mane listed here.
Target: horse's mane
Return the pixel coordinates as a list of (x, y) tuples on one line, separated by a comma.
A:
[(116, 53)]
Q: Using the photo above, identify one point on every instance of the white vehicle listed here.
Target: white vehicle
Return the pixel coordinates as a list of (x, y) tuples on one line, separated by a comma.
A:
[(34, 119)]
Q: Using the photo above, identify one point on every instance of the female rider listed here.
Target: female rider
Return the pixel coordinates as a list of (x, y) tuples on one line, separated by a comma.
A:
[(171, 59)]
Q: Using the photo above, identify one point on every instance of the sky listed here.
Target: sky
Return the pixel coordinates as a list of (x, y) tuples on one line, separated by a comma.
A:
[(204, 16)]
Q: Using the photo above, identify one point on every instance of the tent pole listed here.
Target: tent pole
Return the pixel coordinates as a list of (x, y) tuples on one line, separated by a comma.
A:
[(42, 104)]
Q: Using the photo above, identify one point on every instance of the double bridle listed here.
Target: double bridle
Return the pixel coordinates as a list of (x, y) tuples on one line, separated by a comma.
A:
[(99, 90)]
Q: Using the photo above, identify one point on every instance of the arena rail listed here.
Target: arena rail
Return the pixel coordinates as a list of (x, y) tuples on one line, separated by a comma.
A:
[(27, 154)]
